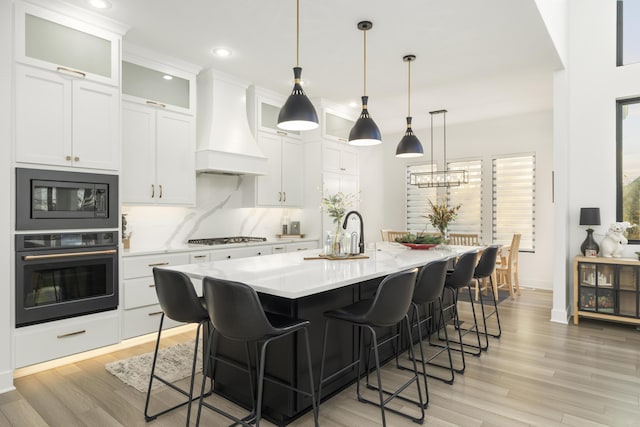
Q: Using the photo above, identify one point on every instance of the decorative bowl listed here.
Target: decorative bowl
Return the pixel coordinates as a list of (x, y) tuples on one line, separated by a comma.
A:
[(420, 245)]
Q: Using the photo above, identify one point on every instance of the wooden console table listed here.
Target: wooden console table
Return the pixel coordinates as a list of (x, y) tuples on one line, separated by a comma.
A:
[(606, 289)]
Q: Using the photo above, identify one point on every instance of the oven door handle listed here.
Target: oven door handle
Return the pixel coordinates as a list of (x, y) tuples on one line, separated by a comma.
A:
[(68, 254)]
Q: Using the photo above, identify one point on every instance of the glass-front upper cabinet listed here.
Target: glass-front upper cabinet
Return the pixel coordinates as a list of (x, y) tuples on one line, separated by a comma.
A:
[(56, 42), (159, 86), (335, 125), (268, 111)]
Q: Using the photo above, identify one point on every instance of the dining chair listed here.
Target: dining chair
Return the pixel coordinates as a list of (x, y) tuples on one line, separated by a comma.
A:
[(178, 301), (393, 235), (464, 239), (507, 267), (483, 272)]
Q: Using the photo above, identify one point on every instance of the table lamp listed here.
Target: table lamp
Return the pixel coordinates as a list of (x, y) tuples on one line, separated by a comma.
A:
[(589, 217)]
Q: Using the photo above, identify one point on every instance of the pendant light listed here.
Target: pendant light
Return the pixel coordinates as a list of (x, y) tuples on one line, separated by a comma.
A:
[(298, 112), (409, 145), (365, 131)]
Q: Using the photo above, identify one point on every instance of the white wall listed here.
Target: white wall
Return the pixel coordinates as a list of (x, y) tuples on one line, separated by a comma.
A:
[(594, 84), (526, 133), (6, 245)]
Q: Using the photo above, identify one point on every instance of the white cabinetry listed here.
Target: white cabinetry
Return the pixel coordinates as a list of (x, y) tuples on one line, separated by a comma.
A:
[(52, 340), (67, 99), (142, 312), (336, 126), (339, 157), (64, 121), (268, 109), (158, 165), (284, 183), (301, 246)]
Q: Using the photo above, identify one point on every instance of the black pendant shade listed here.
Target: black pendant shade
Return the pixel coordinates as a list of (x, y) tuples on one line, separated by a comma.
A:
[(409, 145), (365, 131), (298, 112)]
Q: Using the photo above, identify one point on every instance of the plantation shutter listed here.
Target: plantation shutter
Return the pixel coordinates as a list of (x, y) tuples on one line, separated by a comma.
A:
[(469, 197), (514, 200), (417, 201)]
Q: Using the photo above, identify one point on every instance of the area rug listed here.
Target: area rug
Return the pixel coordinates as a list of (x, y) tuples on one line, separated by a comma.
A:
[(174, 363)]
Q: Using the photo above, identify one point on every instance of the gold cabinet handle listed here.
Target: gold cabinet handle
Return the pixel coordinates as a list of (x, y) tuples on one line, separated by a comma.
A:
[(285, 196), (70, 334), (157, 264), (281, 132), (153, 285), (302, 249), (278, 248), (279, 196), (156, 103), (155, 313), (68, 158), (199, 256), (153, 191), (76, 159), (160, 197), (73, 71)]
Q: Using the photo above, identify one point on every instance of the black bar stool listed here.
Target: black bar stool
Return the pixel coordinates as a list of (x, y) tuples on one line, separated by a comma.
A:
[(179, 301), (428, 290), (484, 270), (457, 279), (387, 309), (236, 314)]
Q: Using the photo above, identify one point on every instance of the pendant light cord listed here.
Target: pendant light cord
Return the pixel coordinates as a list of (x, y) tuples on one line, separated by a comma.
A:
[(297, 33), (409, 90), (431, 143), (444, 134), (364, 90)]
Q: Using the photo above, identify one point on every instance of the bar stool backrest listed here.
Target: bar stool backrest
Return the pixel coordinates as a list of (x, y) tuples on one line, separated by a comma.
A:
[(487, 262), (463, 270), (430, 282), (235, 310), (177, 296), (393, 299)]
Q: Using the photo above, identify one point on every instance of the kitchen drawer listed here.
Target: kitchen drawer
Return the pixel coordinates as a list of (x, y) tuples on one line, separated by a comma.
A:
[(39, 343), (139, 292), (301, 246), (196, 257), (144, 320), (241, 252), (142, 266)]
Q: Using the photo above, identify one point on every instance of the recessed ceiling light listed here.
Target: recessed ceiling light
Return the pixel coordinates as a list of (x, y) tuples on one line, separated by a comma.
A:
[(221, 51), (100, 4), (167, 77), (353, 104)]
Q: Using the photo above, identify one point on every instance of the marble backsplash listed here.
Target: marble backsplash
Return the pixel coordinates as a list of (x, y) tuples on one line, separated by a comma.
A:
[(220, 211)]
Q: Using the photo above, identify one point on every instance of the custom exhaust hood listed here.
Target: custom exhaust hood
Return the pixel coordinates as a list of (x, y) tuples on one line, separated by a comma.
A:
[(225, 142)]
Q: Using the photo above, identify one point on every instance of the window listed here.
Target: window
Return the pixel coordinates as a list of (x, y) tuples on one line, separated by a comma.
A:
[(628, 165), (514, 200), (417, 201), (628, 32), (469, 196)]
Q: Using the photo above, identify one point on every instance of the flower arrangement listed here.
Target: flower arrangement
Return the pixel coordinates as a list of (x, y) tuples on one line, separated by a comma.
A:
[(336, 207), (440, 215)]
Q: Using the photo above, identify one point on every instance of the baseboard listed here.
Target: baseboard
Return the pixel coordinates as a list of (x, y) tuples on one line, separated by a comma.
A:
[(6, 382), (560, 316)]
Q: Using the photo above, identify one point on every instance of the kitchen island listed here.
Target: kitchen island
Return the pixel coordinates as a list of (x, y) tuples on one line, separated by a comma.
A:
[(294, 286)]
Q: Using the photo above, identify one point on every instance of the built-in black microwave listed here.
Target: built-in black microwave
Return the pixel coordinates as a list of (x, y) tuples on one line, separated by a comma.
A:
[(56, 200)]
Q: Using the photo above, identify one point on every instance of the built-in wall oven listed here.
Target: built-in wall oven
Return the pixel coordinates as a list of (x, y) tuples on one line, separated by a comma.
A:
[(60, 275), (59, 200)]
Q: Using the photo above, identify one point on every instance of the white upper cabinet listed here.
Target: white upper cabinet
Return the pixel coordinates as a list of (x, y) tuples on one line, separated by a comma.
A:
[(160, 86), (339, 157), (65, 121), (283, 185), (56, 42), (268, 110), (336, 126), (158, 162)]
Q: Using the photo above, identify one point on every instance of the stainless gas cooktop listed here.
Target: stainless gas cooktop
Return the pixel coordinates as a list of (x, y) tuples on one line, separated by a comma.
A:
[(226, 240)]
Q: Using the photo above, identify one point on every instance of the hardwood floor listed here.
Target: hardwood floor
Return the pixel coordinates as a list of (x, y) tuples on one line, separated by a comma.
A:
[(538, 373)]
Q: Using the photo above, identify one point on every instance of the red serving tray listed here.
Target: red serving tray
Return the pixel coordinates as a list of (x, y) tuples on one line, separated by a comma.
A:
[(420, 245)]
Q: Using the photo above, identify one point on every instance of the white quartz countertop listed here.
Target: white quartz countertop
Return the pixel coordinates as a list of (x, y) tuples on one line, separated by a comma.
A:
[(146, 250), (289, 275)]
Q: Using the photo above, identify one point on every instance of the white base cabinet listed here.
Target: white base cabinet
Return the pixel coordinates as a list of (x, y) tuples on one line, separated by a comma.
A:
[(65, 121), (40, 343)]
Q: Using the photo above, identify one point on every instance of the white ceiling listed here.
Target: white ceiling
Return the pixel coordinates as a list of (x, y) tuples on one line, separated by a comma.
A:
[(478, 59)]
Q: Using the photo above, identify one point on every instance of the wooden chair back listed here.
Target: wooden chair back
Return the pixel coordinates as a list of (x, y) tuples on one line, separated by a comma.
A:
[(391, 236), (464, 239), (507, 269)]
